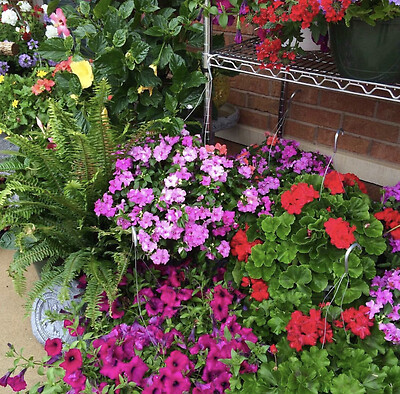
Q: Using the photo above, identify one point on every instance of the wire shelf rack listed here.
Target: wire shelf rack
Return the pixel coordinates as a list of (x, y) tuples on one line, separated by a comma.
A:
[(315, 69)]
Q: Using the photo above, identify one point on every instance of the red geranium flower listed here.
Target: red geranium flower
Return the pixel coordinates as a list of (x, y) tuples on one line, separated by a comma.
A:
[(240, 246), (293, 200), (340, 232), (335, 181), (391, 219), (357, 321)]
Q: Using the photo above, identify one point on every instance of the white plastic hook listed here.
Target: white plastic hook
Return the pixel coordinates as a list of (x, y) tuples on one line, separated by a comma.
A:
[(339, 132)]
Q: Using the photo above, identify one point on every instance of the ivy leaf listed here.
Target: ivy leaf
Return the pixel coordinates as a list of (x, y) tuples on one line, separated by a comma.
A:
[(295, 274)]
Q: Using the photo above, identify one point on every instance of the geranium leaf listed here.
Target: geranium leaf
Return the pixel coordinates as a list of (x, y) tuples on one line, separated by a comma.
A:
[(319, 282), (285, 222), (352, 385), (358, 208), (374, 228), (277, 325), (295, 274), (372, 246), (286, 252)]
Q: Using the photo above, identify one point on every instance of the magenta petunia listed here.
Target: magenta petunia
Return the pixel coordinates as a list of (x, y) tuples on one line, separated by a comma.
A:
[(53, 346), (72, 360), (135, 370), (177, 361), (17, 383)]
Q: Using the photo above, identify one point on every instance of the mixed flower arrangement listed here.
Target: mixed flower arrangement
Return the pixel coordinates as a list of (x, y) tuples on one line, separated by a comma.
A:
[(279, 24), (256, 274)]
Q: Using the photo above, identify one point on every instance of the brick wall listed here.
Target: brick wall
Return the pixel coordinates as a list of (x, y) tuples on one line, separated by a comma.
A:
[(372, 127)]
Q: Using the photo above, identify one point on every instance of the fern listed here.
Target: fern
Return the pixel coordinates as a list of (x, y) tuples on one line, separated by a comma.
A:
[(47, 280), (92, 297), (11, 165)]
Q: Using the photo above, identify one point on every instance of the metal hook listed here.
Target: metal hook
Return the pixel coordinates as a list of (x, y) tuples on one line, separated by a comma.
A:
[(134, 237), (346, 256), (340, 131)]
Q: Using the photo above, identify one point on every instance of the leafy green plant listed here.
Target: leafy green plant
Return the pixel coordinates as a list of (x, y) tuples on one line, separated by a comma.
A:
[(49, 194), (150, 55)]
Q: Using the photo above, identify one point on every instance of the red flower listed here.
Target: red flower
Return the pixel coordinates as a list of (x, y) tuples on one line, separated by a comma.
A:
[(260, 290), (340, 232), (65, 65), (272, 349), (41, 85), (306, 330), (391, 218), (53, 346), (357, 321), (245, 281), (335, 181), (240, 246), (72, 361), (293, 200)]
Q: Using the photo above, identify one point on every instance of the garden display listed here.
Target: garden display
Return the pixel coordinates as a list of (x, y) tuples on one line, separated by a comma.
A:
[(198, 271)]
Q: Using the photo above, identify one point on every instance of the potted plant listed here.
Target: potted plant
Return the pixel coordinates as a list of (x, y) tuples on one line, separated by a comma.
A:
[(279, 26)]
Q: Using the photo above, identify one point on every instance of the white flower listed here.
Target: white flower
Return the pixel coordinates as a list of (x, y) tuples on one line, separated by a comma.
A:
[(24, 6), (44, 8), (51, 31), (10, 17)]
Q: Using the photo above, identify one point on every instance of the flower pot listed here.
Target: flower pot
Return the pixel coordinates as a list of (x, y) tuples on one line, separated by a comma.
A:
[(370, 53)]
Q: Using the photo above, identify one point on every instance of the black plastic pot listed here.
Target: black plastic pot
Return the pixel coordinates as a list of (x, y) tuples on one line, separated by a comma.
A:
[(369, 53)]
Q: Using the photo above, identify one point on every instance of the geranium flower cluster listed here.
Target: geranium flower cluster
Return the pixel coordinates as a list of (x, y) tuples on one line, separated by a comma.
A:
[(340, 233), (384, 305), (240, 246), (335, 182), (300, 194), (356, 320), (259, 289), (307, 330)]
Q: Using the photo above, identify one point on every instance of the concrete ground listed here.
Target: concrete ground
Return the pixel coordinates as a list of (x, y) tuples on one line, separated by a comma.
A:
[(15, 326)]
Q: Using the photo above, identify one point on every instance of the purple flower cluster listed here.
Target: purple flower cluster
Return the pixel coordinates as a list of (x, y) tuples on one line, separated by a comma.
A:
[(170, 189), (391, 191), (4, 67), (385, 306), (26, 61)]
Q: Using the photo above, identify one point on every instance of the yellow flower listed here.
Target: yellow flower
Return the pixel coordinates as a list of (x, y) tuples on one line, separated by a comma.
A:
[(1, 78), (74, 96), (84, 71), (154, 68), (41, 73), (15, 103), (141, 89)]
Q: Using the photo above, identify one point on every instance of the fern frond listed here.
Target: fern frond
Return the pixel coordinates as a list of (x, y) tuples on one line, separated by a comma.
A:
[(72, 266), (122, 261), (47, 279), (11, 165), (46, 161), (22, 260), (11, 216), (92, 297), (83, 157)]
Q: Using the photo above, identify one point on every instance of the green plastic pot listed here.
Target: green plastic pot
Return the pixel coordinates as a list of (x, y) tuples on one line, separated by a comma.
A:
[(369, 53)]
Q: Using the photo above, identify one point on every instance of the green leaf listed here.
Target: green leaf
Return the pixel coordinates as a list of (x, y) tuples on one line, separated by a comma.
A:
[(374, 228), (263, 254), (155, 31), (52, 6), (350, 384), (53, 49), (84, 8), (319, 282), (171, 103), (101, 8), (223, 20), (286, 252), (359, 209), (295, 274), (286, 221), (119, 38), (372, 246), (126, 8)]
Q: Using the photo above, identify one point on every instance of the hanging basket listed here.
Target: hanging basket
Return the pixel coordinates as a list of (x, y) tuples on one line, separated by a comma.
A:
[(365, 52)]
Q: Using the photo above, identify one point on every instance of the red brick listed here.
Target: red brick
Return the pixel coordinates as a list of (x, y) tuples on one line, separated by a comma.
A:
[(304, 95), (388, 111), (251, 84), (296, 130), (238, 98), (348, 103), (369, 128), (315, 116), (263, 103), (275, 88), (254, 118), (347, 142), (387, 152)]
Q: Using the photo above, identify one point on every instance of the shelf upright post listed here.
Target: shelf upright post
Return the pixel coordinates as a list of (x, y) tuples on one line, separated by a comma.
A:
[(208, 137)]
